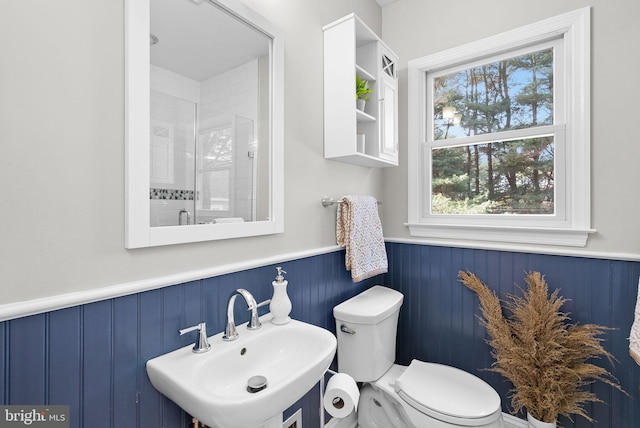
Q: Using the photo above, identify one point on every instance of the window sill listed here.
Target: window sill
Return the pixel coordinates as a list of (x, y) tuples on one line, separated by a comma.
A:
[(499, 236)]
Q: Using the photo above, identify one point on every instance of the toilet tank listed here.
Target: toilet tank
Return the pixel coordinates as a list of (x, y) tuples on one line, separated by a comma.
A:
[(366, 327)]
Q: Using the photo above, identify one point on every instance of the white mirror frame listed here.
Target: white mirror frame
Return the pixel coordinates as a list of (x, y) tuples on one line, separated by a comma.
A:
[(138, 231)]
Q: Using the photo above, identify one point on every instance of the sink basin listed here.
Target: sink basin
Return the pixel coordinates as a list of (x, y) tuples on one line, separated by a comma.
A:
[(212, 386)]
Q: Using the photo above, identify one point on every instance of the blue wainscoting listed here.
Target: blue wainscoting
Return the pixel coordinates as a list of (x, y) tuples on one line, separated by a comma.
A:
[(438, 321), (92, 357)]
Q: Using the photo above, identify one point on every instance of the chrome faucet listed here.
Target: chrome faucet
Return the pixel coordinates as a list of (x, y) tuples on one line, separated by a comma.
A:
[(230, 332), (184, 211)]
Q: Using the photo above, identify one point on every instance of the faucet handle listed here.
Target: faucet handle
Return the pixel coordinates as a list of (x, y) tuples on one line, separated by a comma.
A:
[(202, 344), (261, 304)]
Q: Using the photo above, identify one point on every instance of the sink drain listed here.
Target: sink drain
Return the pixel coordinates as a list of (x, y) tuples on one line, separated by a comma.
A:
[(256, 384)]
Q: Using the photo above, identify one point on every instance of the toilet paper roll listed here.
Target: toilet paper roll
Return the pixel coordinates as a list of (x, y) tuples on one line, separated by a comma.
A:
[(341, 396)]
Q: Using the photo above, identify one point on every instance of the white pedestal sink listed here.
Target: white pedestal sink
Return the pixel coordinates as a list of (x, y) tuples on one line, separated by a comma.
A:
[(212, 386)]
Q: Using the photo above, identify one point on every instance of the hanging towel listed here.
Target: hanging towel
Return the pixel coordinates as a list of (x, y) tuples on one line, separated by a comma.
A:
[(359, 230), (634, 337)]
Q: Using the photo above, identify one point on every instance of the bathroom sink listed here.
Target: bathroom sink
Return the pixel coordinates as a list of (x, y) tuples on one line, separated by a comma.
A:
[(212, 386)]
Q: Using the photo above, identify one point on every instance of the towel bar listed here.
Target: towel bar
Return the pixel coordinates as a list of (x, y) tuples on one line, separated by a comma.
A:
[(327, 201)]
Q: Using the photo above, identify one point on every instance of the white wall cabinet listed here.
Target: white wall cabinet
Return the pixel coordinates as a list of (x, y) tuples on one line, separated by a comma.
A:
[(369, 137)]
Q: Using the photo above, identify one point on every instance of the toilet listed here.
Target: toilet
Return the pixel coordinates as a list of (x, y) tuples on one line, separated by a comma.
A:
[(421, 395)]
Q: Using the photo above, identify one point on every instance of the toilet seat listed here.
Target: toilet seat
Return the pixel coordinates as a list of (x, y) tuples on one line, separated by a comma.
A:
[(448, 394)]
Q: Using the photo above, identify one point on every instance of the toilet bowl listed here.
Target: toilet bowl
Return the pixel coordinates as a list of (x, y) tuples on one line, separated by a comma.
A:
[(421, 395)]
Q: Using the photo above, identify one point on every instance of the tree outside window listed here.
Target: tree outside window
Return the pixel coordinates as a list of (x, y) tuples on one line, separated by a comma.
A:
[(499, 139), (497, 177)]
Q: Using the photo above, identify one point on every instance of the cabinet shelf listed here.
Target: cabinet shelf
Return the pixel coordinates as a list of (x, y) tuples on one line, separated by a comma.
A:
[(364, 74), (366, 138), (363, 159), (364, 117)]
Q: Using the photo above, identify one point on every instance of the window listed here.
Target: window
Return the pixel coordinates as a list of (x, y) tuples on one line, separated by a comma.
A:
[(491, 133), (215, 164), (499, 138)]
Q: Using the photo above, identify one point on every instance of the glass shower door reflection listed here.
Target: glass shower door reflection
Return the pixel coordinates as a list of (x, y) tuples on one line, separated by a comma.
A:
[(172, 168), (225, 181)]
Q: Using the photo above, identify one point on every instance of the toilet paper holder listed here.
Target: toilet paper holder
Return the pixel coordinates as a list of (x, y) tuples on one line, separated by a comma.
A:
[(337, 402), (322, 395)]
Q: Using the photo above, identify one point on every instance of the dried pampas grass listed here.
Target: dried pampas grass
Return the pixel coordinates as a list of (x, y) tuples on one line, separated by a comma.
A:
[(539, 351)]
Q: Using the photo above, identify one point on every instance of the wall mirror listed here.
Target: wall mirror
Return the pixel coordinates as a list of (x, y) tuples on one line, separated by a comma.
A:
[(204, 122)]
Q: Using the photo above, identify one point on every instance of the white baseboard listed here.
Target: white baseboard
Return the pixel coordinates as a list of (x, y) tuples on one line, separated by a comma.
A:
[(351, 421)]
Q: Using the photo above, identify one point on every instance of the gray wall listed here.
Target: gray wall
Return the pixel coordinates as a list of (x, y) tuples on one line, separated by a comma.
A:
[(62, 148), (62, 135), (415, 28)]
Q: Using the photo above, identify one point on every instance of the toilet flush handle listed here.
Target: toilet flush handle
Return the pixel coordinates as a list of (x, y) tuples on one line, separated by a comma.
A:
[(345, 329)]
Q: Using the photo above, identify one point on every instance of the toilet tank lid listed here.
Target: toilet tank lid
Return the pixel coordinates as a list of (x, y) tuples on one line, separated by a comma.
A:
[(369, 307)]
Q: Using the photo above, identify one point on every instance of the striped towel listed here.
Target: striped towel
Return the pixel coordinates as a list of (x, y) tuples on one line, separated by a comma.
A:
[(359, 230)]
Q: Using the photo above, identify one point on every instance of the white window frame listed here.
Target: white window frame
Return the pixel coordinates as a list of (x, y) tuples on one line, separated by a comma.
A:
[(570, 226)]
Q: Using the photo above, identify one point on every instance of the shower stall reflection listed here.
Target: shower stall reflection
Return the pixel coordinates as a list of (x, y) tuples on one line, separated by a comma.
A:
[(203, 164)]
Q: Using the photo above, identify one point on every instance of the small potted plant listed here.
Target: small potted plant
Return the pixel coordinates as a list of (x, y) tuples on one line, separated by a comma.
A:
[(548, 360), (362, 89)]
